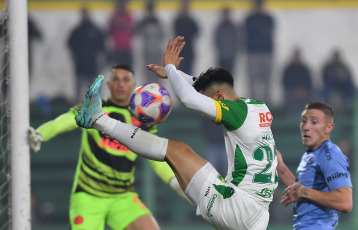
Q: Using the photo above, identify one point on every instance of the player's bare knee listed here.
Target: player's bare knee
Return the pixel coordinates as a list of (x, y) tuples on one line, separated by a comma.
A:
[(178, 147)]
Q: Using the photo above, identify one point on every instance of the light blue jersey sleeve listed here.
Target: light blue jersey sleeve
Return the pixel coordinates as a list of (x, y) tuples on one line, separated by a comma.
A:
[(335, 166)]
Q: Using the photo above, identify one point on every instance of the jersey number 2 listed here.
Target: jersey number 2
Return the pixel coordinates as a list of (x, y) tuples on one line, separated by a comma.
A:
[(263, 176)]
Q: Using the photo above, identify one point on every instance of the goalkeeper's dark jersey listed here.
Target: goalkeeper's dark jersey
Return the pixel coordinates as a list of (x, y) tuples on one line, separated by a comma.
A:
[(105, 167)]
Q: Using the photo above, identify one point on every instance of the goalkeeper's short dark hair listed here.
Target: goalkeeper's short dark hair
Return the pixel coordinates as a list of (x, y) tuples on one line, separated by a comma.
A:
[(213, 76), (123, 66)]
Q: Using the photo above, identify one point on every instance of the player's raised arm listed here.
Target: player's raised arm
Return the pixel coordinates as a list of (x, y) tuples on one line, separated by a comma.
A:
[(171, 55), (160, 72), (182, 89)]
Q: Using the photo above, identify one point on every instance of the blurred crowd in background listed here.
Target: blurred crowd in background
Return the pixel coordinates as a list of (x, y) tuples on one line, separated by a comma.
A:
[(93, 47)]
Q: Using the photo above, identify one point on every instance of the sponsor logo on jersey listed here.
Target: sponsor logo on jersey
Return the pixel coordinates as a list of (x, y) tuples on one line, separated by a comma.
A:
[(327, 153), (210, 205), (107, 142), (310, 159), (336, 175), (266, 193), (265, 119), (78, 220), (307, 161), (135, 122), (267, 137)]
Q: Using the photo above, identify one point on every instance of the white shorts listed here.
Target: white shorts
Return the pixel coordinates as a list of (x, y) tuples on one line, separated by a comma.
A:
[(224, 205)]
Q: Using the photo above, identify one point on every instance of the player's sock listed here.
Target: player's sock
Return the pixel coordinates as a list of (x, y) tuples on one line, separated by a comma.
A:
[(141, 142)]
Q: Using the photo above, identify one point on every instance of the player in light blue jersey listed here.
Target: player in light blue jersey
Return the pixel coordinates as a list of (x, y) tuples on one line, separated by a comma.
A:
[(323, 189)]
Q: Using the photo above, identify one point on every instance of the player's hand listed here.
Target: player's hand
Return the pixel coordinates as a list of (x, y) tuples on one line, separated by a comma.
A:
[(158, 70), (34, 139), (171, 55), (292, 193)]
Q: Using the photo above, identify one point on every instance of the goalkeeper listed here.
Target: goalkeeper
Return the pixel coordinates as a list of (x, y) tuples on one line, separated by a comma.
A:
[(103, 191)]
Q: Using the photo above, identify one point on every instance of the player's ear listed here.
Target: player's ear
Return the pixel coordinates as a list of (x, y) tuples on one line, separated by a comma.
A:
[(219, 95), (329, 127)]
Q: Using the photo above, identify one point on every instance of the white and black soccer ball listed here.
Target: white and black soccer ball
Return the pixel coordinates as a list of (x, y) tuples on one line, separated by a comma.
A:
[(151, 103)]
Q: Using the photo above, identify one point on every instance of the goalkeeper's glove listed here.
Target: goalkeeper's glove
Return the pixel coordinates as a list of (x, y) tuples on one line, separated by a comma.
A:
[(34, 139), (174, 184)]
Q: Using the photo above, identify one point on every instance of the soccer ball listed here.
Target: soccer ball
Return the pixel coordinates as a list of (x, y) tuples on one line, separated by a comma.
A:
[(151, 103)]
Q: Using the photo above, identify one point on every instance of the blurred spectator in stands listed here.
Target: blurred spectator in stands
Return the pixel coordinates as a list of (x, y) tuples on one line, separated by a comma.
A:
[(226, 41), (297, 83), (186, 26), (259, 34), (121, 34), (86, 43), (35, 210), (34, 34), (151, 32), (338, 85), (346, 146)]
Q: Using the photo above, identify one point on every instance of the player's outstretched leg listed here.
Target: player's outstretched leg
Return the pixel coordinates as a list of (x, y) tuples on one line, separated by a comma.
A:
[(92, 106), (183, 160)]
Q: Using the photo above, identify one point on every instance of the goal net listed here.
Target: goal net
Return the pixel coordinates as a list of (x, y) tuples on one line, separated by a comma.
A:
[(14, 117), (4, 121)]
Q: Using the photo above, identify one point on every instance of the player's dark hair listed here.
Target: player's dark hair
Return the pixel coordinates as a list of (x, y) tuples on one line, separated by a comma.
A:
[(123, 66), (325, 108), (213, 76)]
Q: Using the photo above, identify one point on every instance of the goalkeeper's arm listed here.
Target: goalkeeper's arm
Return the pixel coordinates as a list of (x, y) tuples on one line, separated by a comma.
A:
[(165, 173), (61, 124)]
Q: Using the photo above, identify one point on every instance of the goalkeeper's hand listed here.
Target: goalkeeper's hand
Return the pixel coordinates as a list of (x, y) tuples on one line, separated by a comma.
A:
[(174, 184), (34, 139)]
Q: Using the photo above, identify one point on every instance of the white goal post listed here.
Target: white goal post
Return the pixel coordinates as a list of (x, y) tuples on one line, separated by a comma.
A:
[(19, 96)]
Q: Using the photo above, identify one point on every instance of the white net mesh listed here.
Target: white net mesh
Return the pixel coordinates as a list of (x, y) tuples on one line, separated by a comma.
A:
[(4, 120)]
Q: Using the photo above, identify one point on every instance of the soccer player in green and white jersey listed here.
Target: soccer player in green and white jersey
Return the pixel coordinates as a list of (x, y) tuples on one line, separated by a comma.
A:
[(103, 188), (241, 200)]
